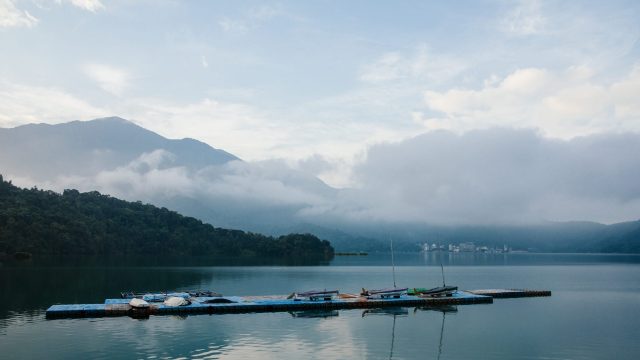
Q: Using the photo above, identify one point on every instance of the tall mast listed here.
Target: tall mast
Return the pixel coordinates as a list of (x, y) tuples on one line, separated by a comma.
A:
[(393, 266), (442, 269)]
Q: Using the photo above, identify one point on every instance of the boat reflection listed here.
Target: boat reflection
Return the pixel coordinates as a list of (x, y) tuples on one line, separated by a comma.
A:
[(438, 308), (392, 311), (444, 309), (309, 314)]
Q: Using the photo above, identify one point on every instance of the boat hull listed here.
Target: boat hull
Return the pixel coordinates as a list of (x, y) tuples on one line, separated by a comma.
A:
[(434, 292)]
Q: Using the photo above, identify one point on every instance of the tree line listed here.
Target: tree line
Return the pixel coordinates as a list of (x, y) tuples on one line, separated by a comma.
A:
[(45, 222)]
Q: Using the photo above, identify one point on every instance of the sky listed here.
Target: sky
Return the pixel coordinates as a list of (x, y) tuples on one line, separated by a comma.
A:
[(323, 85)]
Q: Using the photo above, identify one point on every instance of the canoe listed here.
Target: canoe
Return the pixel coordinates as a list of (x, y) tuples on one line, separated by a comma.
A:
[(437, 291), (315, 295), (385, 293)]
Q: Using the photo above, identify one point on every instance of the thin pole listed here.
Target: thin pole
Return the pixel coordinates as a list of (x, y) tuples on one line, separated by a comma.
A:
[(393, 336), (393, 266), (442, 270), (441, 333)]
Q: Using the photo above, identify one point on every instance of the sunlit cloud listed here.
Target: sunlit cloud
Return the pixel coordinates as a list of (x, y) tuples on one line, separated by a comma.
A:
[(11, 16), (561, 104), (111, 79), (23, 104), (88, 5)]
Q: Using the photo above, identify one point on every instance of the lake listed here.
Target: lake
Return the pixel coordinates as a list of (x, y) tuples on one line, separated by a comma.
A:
[(594, 312)]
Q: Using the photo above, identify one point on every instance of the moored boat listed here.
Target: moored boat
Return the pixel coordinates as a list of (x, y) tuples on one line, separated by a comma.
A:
[(393, 292), (433, 292), (316, 295)]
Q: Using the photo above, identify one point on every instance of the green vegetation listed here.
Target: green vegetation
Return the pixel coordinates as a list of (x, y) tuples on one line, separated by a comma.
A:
[(45, 222)]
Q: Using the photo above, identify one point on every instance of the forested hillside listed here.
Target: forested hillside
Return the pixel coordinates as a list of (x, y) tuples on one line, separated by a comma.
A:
[(46, 222)]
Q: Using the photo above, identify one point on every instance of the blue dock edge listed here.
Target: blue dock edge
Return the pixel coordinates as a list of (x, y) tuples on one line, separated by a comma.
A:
[(120, 307)]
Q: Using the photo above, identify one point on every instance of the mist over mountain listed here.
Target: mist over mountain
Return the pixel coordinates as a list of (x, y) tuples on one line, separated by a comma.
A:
[(491, 186), (125, 160)]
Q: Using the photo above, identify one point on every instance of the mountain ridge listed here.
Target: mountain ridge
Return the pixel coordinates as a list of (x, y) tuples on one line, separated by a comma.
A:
[(43, 151)]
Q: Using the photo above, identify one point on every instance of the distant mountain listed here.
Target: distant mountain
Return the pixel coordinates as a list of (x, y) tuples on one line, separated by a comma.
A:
[(584, 237), (79, 148)]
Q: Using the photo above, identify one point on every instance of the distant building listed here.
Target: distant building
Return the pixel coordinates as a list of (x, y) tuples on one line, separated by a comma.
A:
[(467, 247)]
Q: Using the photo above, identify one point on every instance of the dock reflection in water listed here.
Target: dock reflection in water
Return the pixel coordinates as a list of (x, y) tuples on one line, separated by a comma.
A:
[(310, 314), (444, 309), (525, 329)]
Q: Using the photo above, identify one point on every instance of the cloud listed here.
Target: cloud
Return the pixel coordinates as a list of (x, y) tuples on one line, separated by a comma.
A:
[(241, 129), (10, 16), (235, 127), (501, 176), (492, 176), (232, 190), (22, 104), (88, 5), (561, 104), (255, 134), (625, 95), (421, 65), (254, 18), (525, 19), (111, 79)]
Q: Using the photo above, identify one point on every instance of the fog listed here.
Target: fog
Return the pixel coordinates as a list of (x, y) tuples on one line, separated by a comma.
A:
[(503, 176), (482, 177)]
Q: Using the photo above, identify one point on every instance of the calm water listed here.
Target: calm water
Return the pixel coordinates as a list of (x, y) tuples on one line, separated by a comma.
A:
[(594, 312)]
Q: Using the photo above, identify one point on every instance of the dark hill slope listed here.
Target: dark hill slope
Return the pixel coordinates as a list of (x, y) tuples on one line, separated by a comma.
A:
[(38, 221)]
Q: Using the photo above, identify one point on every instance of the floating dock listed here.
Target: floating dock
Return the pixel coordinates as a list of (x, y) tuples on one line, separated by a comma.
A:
[(249, 304), (510, 293)]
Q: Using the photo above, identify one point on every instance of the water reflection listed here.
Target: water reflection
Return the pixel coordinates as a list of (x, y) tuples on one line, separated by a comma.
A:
[(508, 329), (393, 312), (444, 309), (31, 289), (314, 314)]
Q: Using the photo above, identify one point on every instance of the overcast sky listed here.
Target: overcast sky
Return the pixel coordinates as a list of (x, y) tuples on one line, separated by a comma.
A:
[(318, 83)]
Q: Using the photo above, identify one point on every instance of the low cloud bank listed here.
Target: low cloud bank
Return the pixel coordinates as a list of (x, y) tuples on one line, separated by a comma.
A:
[(503, 176), (495, 176)]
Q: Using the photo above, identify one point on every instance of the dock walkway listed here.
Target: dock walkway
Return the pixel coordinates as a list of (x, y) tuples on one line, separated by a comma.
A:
[(249, 304)]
